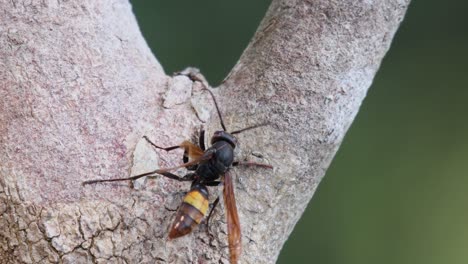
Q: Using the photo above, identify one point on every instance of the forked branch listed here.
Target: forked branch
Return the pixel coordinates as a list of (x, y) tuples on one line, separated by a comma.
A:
[(80, 88)]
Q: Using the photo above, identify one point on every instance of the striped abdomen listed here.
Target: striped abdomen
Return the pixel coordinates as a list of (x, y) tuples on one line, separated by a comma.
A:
[(191, 211)]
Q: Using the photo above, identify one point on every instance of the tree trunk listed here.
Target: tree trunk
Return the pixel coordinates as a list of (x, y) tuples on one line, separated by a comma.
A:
[(80, 87)]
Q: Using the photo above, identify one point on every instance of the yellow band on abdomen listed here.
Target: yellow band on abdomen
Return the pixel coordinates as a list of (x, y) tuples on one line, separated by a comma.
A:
[(197, 200)]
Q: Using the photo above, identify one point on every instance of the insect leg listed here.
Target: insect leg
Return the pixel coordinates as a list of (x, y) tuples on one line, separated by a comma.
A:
[(158, 147), (188, 177), (201, 139), (185, 159), (215, 203), (212, 183), (190, 150)]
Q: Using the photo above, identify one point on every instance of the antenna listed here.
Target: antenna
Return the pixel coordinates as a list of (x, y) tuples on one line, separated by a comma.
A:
[(217, 108), (248, 128)]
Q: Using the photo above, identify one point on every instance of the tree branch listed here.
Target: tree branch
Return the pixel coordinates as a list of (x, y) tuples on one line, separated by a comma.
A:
[(80, 88)]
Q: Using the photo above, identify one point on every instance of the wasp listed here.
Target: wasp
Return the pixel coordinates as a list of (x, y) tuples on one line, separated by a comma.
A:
[(208, 167)]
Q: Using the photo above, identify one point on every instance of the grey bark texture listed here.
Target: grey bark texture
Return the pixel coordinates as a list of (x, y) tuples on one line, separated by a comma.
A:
[(79, 87)]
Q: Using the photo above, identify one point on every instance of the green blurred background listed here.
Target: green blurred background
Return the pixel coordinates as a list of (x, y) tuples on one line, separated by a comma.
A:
[(396, 191)]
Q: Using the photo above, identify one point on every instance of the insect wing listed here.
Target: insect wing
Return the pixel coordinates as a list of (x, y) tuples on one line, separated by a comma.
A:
[(192, 150), (232, 219), (206, 156)]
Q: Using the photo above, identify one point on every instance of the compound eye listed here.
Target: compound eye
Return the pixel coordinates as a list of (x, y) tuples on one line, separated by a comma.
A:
[(216, 136)]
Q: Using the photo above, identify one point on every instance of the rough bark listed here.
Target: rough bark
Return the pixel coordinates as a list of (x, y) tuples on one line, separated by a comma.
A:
[(80, 87)]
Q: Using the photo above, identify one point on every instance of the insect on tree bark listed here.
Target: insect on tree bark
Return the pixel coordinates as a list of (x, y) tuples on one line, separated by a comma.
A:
[(79, 88)]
